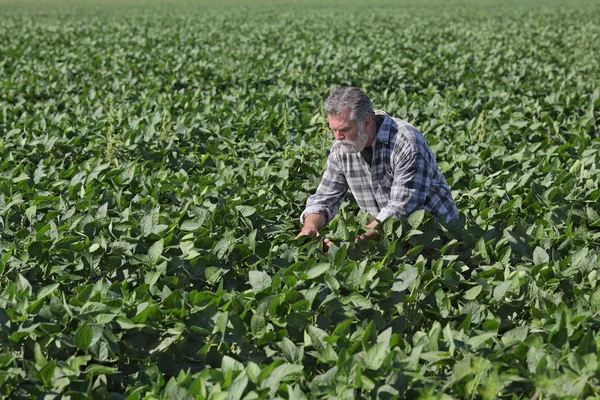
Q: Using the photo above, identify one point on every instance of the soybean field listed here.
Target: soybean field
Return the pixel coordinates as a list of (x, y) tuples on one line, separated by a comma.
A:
[(155, 157)]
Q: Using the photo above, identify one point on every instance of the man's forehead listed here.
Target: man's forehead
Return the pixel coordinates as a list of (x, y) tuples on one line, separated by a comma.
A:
[(342, 118), (345, 113)]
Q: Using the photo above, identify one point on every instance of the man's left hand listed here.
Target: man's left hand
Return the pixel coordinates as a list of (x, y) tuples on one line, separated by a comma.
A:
[(371, 235)]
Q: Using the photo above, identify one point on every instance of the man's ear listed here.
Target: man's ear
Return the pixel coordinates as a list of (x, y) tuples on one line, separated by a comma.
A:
[(367, 121)]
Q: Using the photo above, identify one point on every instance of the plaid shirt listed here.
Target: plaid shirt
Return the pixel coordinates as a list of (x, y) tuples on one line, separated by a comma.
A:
[(404, 177)]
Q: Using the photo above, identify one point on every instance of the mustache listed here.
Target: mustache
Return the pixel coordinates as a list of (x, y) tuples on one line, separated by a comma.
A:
[(346, 146), (351, 146)]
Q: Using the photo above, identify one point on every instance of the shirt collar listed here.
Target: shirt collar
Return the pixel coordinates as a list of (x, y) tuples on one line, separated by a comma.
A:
[(383, 135)]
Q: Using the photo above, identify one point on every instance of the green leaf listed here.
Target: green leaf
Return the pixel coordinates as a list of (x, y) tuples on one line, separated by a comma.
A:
[(501, 290), (406, 279), (230, 364), (472, 293), (477, 341), (75, 363), (30, 212), (289, 350), (23, 284), (317, 337), (48, 289), (23, 332), (246, 211), (214, 274), (516, 335), (6, 360), (223, 247), (47, 374), (258, 324), (221, 322), (191, 225), (534, 356), (236, 390), (83, 337), (40, 360), (317, 270), (188, 251), (22, 177), (253, 372), (579, 258), (151, 278), (461, 369), (482, 249), (251, 240), (280, 373), (259, 280), (148, 222), (374, 357), (155, 251), (540, 256), (415, 219), (146, 311), (387, 226), (595, 299), (96, 369)]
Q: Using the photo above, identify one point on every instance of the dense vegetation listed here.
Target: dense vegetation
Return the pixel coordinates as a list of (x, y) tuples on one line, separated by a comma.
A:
[(155, 159)]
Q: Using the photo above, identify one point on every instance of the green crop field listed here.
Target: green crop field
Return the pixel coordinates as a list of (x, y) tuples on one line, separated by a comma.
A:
[(155, 157)]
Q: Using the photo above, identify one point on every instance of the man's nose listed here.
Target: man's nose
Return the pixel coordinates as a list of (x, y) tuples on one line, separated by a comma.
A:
[(339, 136)]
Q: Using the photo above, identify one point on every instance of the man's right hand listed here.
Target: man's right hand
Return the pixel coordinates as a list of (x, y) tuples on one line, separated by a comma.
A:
[(315, 233), (306, 231), (312, 224)]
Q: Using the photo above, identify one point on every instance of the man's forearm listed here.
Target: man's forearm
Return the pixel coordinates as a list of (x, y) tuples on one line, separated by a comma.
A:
[(314, 221)]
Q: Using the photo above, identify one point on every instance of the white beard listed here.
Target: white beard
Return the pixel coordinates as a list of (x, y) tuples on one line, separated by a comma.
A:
[(355, 146)]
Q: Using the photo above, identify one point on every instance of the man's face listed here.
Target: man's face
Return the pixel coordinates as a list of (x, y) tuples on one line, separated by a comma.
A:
[(349, 135)]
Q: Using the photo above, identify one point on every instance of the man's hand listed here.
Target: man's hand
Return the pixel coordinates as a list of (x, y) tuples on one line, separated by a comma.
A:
[(315, 233), (312, 224), (370, 235), (308, 231)]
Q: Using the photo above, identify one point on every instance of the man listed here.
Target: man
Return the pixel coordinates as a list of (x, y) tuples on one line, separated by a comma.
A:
[(385, 162)]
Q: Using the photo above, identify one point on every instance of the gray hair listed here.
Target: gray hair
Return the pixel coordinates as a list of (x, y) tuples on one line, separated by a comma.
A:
[(349, 98)]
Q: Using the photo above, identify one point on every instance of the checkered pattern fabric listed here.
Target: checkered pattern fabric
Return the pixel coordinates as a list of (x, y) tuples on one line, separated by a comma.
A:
[(404, 177)]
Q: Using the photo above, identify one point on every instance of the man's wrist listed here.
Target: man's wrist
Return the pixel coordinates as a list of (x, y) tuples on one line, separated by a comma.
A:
[(314, 221)]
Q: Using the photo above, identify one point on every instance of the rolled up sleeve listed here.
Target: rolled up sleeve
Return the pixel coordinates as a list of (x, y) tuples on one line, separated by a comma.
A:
[(410, 186), (329, 195)]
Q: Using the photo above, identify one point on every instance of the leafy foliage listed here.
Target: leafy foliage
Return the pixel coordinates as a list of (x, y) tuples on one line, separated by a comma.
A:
[(154, 164)]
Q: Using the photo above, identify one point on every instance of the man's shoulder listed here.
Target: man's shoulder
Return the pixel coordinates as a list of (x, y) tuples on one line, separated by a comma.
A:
[(392, 123), (403, 127), (401, 134)]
